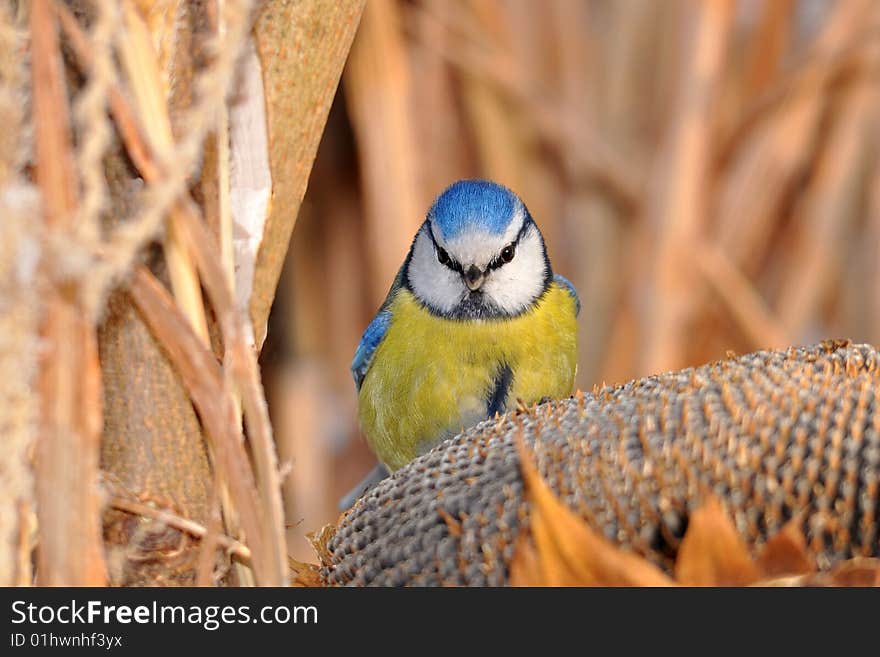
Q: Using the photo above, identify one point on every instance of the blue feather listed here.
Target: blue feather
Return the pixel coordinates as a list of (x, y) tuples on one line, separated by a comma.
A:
[(373, 334), (569, 286), (471, 204), (371, 339)]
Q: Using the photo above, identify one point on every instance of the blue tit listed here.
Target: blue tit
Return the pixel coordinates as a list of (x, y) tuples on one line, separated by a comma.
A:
[(475, 321)]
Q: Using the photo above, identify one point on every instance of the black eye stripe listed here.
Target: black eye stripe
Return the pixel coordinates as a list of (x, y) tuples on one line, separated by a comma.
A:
[(500, 260), (496, 262), (448, 261)]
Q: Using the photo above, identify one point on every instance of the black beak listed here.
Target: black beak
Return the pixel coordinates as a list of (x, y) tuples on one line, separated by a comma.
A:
[(473, 278)]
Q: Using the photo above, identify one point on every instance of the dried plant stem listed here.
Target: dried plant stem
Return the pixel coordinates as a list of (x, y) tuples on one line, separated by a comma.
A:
[(20, 343), (204, 379), (207, 561), (240, 362), (745, 304), (829, 207), (770, 40), (126, 120), (211, 88), (222, 223), (240, 359), (595, 165), (143, 156), (170, 519), (70, 551), (141, 64), (378, 85), (681, 189), (227, 254), (224, 210), (843, 41)]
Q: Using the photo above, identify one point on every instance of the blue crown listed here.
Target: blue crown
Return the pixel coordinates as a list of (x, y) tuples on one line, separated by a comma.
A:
[(473, 203)]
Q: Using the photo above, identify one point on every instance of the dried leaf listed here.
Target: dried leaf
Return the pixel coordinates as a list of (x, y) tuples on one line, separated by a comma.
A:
[(304, 574), (299, 90), (796, 580), (859, 571), (319, 540), (855, 572), (711, 552), (786, 553), (569, 553), (250, 178), (525, 568)]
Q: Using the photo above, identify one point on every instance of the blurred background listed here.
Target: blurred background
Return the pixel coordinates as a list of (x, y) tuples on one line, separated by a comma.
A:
[(705, 173)]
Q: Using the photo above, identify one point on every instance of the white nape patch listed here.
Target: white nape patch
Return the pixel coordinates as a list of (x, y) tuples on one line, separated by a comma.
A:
[(516, 284), (432, 282)]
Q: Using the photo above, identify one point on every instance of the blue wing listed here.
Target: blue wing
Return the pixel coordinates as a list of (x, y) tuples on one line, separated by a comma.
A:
[(370, 340), (568, 285), (373, 335)]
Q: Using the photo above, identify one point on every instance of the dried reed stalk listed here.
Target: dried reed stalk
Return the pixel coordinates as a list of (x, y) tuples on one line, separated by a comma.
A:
[(144, 78), (217, 206), (830, 206), (437, 122), (224, 210), (240, 361), (749, 310), (70, 551), (205, 570), (204, 379), (163, 458), (681, 186), (242, 364), (378, 93), (19, 319), (497, 133), (183, 524), (769, 44), (768, 164)]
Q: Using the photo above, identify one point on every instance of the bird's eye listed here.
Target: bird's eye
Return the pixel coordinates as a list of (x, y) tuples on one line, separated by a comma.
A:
[(508, 252), (442, 256)]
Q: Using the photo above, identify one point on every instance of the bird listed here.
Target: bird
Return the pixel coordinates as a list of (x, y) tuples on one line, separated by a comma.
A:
[(475, 322)]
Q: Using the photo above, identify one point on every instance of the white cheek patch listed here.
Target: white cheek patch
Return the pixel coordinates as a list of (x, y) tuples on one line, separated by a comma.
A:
[(431, 281), (516, 284)]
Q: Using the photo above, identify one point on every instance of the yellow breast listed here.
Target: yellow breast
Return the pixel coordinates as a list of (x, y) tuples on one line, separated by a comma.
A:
[(431, 377)]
